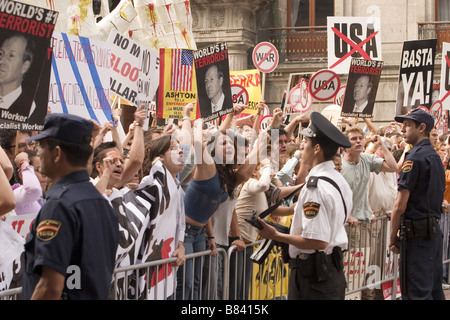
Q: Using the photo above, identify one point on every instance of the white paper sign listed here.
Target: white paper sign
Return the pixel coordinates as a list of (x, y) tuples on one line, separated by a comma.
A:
[(79, 82), (357, 37), (134, 70)]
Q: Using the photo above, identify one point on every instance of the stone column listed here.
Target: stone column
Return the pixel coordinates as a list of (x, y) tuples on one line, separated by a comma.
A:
[(229, 21)]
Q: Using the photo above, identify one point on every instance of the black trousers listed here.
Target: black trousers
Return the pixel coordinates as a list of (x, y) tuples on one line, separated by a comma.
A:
[(303, 283), (424, 269)]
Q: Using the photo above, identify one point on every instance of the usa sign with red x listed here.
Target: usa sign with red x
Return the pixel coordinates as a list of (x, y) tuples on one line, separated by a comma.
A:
[(352, 37)]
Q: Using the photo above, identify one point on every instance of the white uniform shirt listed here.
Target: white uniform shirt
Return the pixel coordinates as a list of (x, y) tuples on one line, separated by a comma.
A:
[(319, 213)]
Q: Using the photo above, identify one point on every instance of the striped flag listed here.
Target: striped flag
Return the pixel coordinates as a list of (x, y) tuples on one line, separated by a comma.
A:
[(182, 64), (178, 85)]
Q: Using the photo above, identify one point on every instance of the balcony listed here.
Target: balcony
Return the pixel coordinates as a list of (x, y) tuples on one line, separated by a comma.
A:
[(300, 43), (439, 30)]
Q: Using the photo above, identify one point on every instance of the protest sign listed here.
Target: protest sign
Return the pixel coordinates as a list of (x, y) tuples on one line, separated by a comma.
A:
[(165, 24), (80, 77), (352, 37), (324, 85), (239, 94), (265, 121), (299, 98), (266, 58), (134, 70), (437, 108), (118, 20), (213, 81), (11, 257), (178, 86), (22, 223), (355, 269), (339, 97), (333, 114), (416, 75), (270, 280), (444, 91), (362, 86), (251, 81), (27, 31)]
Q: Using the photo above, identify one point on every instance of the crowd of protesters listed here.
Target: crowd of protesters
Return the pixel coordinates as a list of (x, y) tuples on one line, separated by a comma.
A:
[(221, 174)]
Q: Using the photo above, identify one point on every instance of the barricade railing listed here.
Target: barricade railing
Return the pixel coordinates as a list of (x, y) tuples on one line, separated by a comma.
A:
[(365, 269), (370, 267), (231, 275), (157, 279)]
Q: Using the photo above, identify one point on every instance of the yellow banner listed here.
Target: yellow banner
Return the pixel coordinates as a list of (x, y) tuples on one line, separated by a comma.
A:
[(271, 278), (177, 83), (251, 81)]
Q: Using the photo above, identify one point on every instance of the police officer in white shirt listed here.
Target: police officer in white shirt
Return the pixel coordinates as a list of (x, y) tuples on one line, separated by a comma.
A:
[(317, 234)]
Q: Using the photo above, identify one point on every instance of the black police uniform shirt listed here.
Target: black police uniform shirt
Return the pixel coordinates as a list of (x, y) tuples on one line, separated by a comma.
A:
[(75, 227), (424, 176)]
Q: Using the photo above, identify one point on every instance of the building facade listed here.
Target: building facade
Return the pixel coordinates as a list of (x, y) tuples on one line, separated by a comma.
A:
[(298, 29)]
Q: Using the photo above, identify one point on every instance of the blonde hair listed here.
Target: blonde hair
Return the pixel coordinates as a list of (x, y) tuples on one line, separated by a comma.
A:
[(354, 129)]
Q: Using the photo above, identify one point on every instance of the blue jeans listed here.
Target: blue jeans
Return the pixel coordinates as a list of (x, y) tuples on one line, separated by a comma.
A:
[(194, 241)]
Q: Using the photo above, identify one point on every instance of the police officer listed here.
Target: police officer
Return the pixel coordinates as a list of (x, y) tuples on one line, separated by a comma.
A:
[(417, 211), (70, 251), (317, 234)]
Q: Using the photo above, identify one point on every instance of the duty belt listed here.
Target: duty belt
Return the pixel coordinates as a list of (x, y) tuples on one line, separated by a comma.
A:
[(424, 228)]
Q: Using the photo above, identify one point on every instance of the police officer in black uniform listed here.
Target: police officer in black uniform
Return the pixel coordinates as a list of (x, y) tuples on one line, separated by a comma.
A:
[(415, 232), (70, 251)]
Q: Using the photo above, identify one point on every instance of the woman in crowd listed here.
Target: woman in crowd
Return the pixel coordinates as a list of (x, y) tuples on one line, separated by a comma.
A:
[(215, 179), (29, 193)]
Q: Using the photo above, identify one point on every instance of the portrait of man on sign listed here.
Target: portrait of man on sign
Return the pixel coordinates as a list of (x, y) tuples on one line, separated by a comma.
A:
[(215, 98), (362, 86), (361, 92), (16, 58)]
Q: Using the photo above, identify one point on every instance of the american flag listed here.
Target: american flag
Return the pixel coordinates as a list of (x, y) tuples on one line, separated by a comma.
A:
[(182, 63)]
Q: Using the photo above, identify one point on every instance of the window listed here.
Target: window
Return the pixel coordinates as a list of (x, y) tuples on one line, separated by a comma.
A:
[(442, 10), (305, 13)]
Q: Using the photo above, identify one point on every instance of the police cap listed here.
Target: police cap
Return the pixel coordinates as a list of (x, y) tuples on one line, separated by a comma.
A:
[(326, 133), (66, 127), (419, 115)]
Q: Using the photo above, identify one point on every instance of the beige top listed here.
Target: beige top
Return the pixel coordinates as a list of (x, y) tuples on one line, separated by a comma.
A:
[(252, 197)]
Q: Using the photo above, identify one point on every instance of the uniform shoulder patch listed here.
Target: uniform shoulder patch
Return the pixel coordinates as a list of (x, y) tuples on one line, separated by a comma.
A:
[(312, 182), (311, 209), (47, 229), (407, 166)]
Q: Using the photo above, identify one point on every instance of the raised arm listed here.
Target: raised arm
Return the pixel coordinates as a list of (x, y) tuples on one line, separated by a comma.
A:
[(136, 155)]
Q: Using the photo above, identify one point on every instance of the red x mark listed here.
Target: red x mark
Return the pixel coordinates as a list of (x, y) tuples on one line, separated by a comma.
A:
[(356, 47), (447, 60)]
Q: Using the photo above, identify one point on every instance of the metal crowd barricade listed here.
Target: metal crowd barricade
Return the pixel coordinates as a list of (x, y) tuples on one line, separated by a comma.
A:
[(445, 227), (11, 294), (368, 264), (154, 274), (250, 281)]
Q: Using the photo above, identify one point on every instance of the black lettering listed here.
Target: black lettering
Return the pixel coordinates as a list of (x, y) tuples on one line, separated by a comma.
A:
[(340, 46)]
